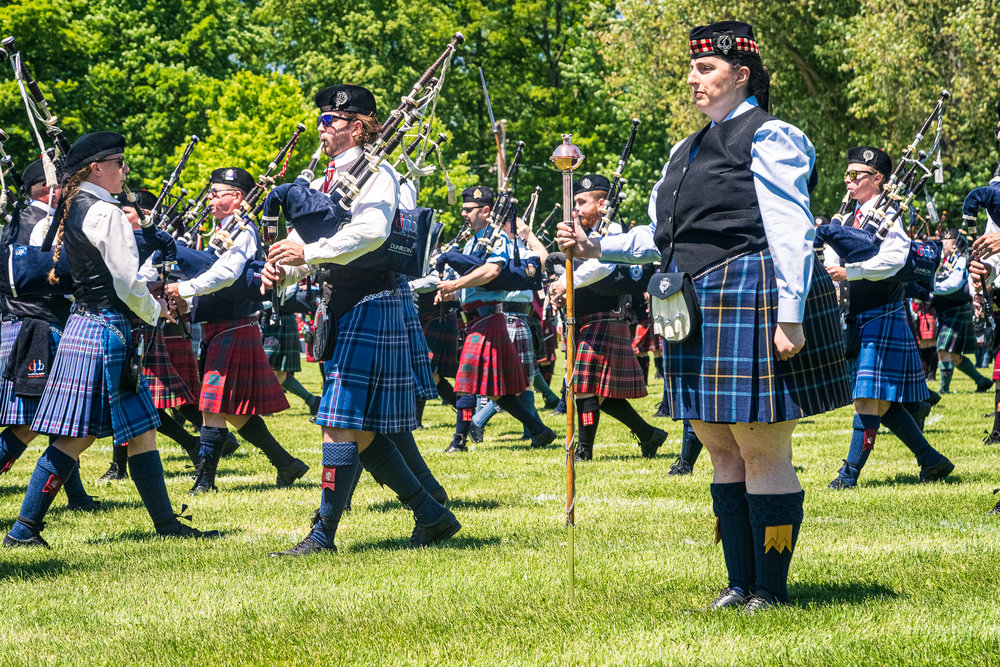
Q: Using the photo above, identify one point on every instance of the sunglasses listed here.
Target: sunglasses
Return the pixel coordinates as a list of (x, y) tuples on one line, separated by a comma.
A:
[(854, 174), (218, 193), (327, 119), (120, 160)]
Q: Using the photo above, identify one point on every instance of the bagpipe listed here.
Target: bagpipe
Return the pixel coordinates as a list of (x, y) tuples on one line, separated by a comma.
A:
[(520, 273), (315, 215), (857, 244)]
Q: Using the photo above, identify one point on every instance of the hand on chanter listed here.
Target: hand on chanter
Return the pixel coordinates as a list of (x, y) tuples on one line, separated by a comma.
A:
[(986, 245), (271, 275), (287, 252)]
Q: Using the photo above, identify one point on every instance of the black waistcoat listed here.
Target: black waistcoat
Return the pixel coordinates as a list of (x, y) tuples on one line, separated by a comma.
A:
[(53, 309), (93, 284), (707, 207)]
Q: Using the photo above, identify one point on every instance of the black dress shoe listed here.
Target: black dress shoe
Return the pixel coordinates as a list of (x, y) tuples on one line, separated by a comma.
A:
[(440, 530), (985, 386), (661, 411), (560, 408), (729, 598), (178, 529), (34, 541), (650, 445), (681, 467), (551, 404), (583, 452), (992, 439), (936, 472), (996, 508), (762, 601), (543, 438), (303, 548), (457, 445), (114, 474), (920, 414), (847, 479), (291, 472)]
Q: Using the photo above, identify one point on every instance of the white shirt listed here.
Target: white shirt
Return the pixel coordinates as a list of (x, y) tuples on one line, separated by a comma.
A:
[(592, 270), (226, 269), (41, 228), (891, 255)]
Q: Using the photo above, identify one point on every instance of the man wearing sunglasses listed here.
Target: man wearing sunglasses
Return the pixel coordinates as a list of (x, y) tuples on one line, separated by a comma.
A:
[(889, 372)]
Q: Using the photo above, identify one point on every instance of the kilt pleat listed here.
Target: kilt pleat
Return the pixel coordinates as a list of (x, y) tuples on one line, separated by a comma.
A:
[(420, 358), (17, 410), (166, 384), (281, 343), (370, 385), (491, 364), (441, 333), (727, 372), (519, 331), (238, 379), (956, 331), (605, 362), (888, 367), (182, 358), (83, 396)]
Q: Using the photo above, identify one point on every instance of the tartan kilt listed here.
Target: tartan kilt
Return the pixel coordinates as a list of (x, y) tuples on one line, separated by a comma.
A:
[(549, 341), (745, 382), (605, 362), (182, 358), (441, 334), (926, 324), (281, 343), (491, 364), (420, 356), (996, 366), (17, 410), (237, 378), (370, 376), (166, 385), (83, 395), (642, 340), (889, 366), (519, 330), (956, 333)]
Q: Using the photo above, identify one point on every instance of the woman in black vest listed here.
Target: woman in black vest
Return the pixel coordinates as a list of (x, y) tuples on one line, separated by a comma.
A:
[(732, 210)]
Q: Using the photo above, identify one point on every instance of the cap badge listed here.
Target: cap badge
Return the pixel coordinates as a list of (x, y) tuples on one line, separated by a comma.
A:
[(586, 183), (868, 155), (477, 193), (341, 98), (725, 43), (230, 174)]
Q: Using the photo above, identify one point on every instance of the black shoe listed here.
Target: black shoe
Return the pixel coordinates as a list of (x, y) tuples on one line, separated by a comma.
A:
[(33, 541), (984, 387), (995, 510), (441, 496), (560, 408), (476, 433), (114, 474), (551, 404), (650, 445), (762, 601), (291, 472), (935, 397), (936, 472), (583, 452), (847, 479), (457, 445), (992, 438), (440, 530), (178, 529), (204, 479), (91, 504), (313, 405), (543, 438), (230, 446), (682, 467), (729, 598), (661, 411), (303, 548)]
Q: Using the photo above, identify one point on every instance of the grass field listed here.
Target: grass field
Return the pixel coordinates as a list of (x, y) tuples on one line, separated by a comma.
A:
[(892, 572)]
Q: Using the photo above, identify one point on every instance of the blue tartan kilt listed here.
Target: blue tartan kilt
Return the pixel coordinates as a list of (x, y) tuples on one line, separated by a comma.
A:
[(519, 330), (420, 356), (370, 378), (956, 332), (83, 395), (727, 372), (888, 366), (281, 343), (16, 410)]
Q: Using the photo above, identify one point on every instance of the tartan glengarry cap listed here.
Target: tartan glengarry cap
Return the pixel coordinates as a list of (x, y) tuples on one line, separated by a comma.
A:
[(722, 38), (93, 147), (478, 194), (876, 158), (591, 183), (145, 199), (347, 98), (234, 176)]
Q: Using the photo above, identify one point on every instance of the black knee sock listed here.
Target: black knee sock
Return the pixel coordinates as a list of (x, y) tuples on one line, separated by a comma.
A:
[(588, 417), (170, 428), (901, 423), (354, 485), (294, 387), (515, 409), (732, 528), (541, 385), (622, 410), (73, 486), (996, 407), (546, 371), (659, 364), (119, 456), (644, 367), (446, 391), (191, 413), (255, 432), (465, 406), (690, 445), (382, 459), (340, 467), (147, 475), (420, 410), (775, 519), (407, 447), (969, 368)]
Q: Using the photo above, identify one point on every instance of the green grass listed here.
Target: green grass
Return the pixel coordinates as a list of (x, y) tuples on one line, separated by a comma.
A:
[(892, 572)]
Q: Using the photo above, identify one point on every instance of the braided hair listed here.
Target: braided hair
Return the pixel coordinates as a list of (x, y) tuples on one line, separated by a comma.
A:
[(71, 188)]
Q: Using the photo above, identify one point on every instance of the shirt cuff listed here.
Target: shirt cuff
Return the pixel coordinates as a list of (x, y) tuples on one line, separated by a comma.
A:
[(791, 310), (854, 272), (184, 290)]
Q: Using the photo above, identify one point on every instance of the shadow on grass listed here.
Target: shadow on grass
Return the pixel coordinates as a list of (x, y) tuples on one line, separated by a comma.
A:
[(50, 567), (262, 487), (106, 506), (908, 478), (855, 592), (458, 504), (13, 489), (398, 544), (136, 535)]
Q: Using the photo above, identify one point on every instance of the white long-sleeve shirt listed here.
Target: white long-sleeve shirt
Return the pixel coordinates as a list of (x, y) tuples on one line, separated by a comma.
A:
[(891, 255), (226, 269)]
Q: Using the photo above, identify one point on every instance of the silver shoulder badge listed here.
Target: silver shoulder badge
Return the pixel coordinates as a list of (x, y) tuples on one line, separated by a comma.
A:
[(341, 98)]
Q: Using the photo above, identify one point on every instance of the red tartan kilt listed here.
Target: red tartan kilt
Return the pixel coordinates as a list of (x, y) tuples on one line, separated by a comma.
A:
[(182, 357), (490, 364), (642, 341), (238, 378), (549, 342), (166, 385), (605, 362), (927, 328), (996, 367)]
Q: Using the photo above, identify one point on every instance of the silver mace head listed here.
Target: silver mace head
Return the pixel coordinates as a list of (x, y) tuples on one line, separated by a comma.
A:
[(567, 156)]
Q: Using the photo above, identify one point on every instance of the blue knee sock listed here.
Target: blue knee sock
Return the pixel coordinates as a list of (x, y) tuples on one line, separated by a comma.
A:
[(862, 440), (901, 423), (11, 449), (775, 520), (485, 413), (407, 447), (340, 468), (73, 485), (211, 442), (52, 469), (513, 406), (146, 471), (465, 407), (729, 502), (383, 460)]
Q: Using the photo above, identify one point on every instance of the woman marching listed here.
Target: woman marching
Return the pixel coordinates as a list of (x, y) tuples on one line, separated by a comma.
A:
[(732, 210), (86, 397)]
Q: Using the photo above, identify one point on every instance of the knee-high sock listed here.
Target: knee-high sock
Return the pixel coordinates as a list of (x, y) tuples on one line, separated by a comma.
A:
[(407, 447), (170, 428), (293, 386), (446, 391), (901, 423), (729, 502), (775, 519), (541, 385), (659, 364), (465, 406), (969, 368), (947, 370), (340, 467), (52, 469), (514, 407), (73, 485), (588, 417), (354, 485), (191, 413), (256, 433), (421, 404), (546, 370), (527, 400), (690, 445), (211, 442), (485, 413), (383, 460), (622, 410), (146, 470), (11, 449), (996, 406), (644, 367), (862, 439)]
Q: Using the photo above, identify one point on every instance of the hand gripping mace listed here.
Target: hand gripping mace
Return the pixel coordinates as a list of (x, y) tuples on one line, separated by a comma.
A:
[(566, 158)]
